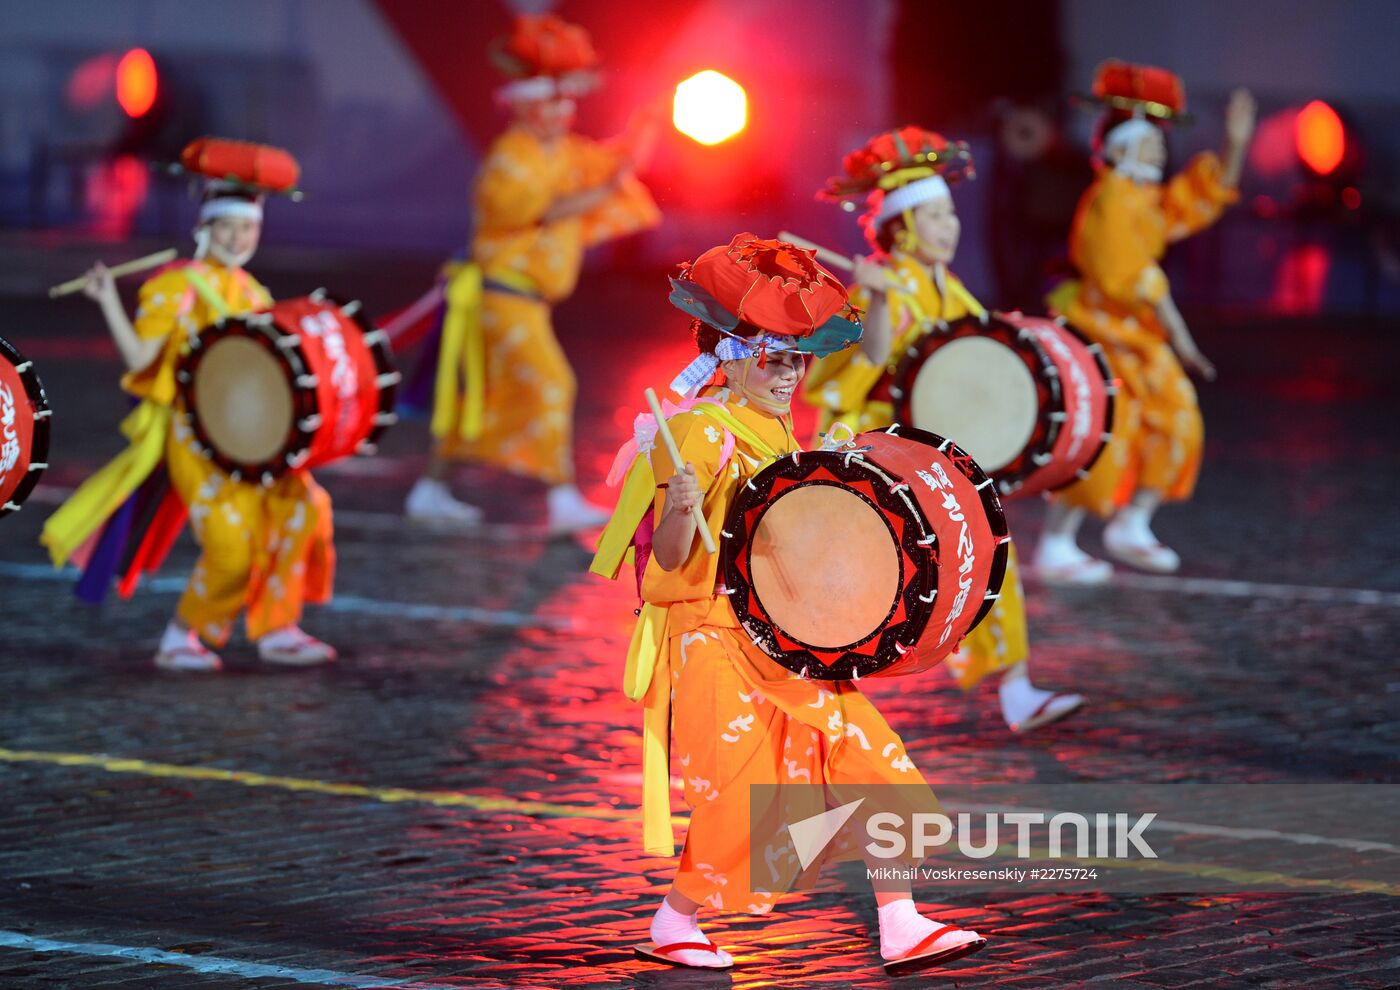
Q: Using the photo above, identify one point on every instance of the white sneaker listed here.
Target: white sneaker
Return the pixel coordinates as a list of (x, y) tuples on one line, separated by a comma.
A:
[(570, 512), (181, 650), (1129, 538), (294, 648), (431, 502), (1060, 561)]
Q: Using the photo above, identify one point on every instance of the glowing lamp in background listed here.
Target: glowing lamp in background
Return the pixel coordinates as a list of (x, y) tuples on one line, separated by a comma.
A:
[(136, 82), (710, 107), (1320, 138)]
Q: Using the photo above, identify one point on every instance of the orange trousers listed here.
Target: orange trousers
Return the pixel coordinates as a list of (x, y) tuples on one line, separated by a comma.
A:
[(266, 550), (740, 721)]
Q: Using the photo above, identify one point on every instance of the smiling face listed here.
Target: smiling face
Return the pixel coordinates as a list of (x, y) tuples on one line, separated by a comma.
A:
[(1150, 149), (234, 240), (937, 226), (548, 119), (769, 387)]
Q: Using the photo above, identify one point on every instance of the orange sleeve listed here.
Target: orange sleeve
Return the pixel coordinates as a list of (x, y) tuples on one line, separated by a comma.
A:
[(511, 191), (699, 439), (627, 209), (1196, 196), (159, 304), (1111, 253)]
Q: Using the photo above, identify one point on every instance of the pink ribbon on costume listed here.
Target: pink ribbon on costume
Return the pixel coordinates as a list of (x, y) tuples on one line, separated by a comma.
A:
[(644, 438)]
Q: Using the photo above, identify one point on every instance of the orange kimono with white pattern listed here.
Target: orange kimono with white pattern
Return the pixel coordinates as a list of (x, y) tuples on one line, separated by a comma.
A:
[(527, 266), (738, 720), (1121, 232)]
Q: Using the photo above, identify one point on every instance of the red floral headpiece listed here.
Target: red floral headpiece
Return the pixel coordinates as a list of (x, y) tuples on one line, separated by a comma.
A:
[(1139, 90), (545, 45)]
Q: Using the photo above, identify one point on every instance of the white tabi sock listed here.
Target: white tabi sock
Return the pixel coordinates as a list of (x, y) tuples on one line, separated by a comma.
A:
[(902, 927), (670, 926)]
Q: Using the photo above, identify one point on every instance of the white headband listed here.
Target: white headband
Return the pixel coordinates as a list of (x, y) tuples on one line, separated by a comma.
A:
[(534, 88), (729, 348), (548, 87), (914, 194), (225, 206)]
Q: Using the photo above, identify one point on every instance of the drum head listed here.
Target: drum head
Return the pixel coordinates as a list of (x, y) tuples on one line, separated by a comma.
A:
[(980, 394), (806, 575), (243, 400)]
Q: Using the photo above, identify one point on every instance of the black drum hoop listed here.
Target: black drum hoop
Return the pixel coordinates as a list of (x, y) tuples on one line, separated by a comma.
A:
[(286, 348), (39, 437), (1048, 424)]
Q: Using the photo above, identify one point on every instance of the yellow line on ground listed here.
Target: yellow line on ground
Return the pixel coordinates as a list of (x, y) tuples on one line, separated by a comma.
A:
[(482, 802), (441, 799)]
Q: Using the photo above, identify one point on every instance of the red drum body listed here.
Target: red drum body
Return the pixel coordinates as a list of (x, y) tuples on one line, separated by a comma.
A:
[(1028, 397), (24, 428), (870, 561), (299, 385)]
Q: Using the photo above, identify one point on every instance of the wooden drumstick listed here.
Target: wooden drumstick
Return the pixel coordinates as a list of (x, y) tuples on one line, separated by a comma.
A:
[(117, 271), (664, 432), (829, 256)]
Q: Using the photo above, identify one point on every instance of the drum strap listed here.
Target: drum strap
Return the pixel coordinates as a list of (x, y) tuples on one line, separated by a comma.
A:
[(947, 290), (211, 297)]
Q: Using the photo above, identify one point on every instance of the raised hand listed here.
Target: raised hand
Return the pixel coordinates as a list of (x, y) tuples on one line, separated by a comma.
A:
[(100, 285), (1240, 114)]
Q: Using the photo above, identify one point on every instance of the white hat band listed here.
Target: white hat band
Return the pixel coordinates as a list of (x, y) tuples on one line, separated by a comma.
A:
[(243, 209), (913, 194)]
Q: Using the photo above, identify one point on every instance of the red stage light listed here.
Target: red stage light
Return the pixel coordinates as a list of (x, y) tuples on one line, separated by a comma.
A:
[(1319, 137), (710, 107), (136, 82)]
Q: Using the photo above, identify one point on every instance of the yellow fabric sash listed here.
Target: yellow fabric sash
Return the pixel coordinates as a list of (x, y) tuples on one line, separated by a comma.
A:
[(646, 676), (209, 295), (104, 492), (145, 427), (462, 347), (954, 289), (652, 636)]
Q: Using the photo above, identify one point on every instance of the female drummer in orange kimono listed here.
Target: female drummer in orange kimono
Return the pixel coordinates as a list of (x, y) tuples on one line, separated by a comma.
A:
[(1122, 300), (505, 392), (913, 227), (264, 550), (734, 718)]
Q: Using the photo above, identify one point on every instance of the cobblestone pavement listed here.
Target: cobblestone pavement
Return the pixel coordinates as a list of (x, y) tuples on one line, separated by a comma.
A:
[(453, 804)]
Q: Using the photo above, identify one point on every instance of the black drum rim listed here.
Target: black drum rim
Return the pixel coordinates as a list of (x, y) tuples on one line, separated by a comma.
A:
[(263, 330), (1047, 430), (38, 398), (287, 349), (754, 495)]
